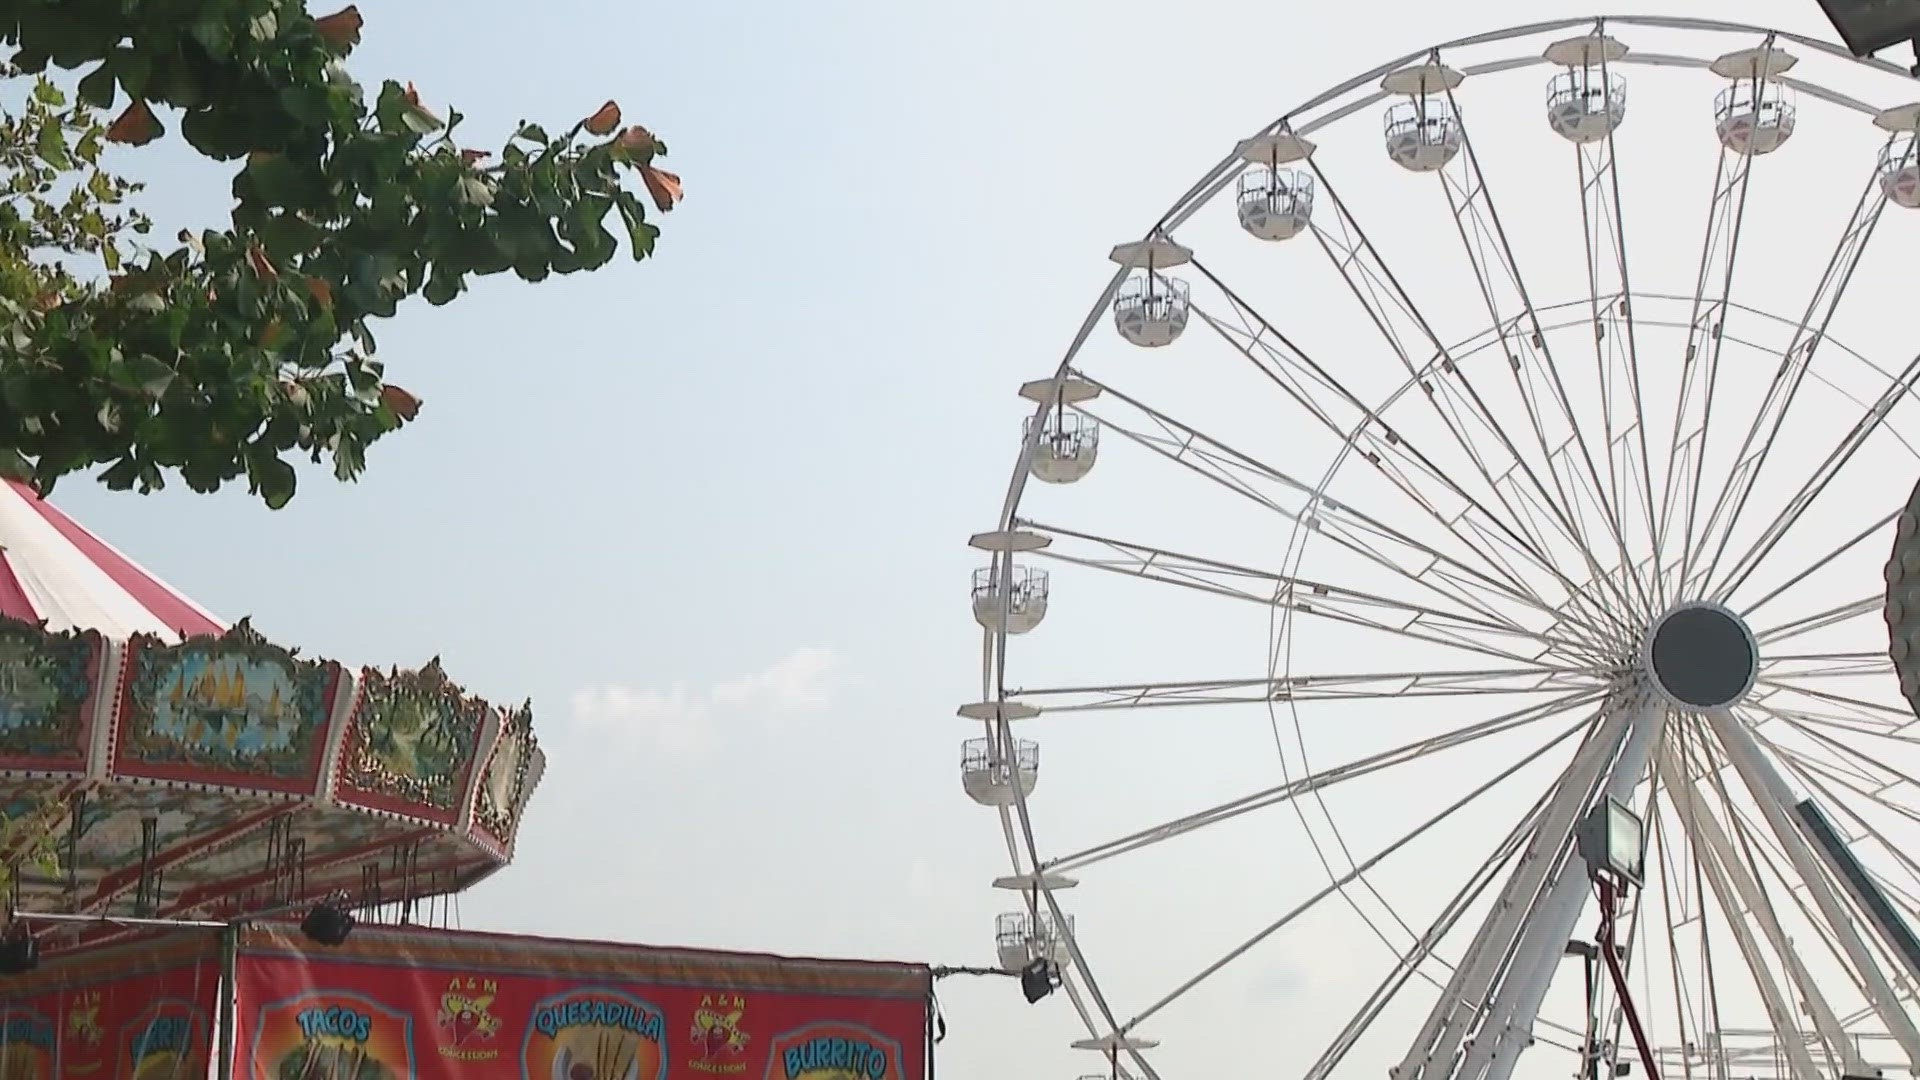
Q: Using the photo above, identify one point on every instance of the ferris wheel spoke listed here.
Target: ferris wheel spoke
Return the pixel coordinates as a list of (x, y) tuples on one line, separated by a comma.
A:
[(1796, 361), (1441, 572), (1447, 388), (1616, 338), (1713, 287), (1810, 773), (1360, 686), (1867, 775), (1407, 468), (1841, 719), (1858, 773), (1379, 443), (1318, 782), (1816, 485), (1826, 665), (1818, 564), (1357, 873), (1868, 707), (1510, 307), (1833, 616), (1452, 628)]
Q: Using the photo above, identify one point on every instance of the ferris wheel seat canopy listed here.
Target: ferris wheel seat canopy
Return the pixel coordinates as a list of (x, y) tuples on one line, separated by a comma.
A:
[(116, 685)]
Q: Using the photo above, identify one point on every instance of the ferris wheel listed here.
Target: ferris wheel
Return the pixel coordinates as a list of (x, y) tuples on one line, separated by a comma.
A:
[(1447, 570)]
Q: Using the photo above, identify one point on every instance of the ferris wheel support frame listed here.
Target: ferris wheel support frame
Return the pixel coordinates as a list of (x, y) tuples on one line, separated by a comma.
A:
[(1446, 1026), (1733, 885), (1771, 792), (1549, 927)]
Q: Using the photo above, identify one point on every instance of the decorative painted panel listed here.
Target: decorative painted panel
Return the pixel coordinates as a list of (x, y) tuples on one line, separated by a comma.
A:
[(47, 687), (412, 743), (503, 787), (234, 710)]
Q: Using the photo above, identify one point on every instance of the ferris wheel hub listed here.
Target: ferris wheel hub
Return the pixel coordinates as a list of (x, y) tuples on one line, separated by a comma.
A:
[(1701, 657)]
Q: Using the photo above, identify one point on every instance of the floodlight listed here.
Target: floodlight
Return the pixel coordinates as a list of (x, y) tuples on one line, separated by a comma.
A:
[(19, 952), (1867, 26), (1038, 979), (327, 925), (1613, 841)]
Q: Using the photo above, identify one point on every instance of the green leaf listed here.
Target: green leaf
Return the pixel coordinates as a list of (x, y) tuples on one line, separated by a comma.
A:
[(212, 34), (122, 475), (473, 191), (532, 133), (640, 234), (150, 375), (442, 287), (97, 88), (277, 181), (133, 67), (419, 120), (272, 478), (51, 146), (286, 236)]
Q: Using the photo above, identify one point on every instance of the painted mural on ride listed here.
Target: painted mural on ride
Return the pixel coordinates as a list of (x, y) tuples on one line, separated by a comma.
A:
[(399, 1002), (160, 747)]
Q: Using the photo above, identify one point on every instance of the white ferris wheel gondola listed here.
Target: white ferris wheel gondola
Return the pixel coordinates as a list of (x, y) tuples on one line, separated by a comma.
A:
[(1629, 525), (1587, 101)]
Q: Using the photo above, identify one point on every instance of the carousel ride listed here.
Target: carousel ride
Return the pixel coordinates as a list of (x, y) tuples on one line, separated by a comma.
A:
[(1529, 455), (159, 765)]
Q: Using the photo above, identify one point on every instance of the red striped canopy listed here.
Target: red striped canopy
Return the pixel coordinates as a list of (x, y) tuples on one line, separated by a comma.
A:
[(53, 570)]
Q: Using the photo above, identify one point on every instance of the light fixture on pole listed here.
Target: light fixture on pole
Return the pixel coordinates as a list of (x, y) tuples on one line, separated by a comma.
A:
[(1612, 840), (1038, 979), (327, 924), (1868, 26), (19, 950)]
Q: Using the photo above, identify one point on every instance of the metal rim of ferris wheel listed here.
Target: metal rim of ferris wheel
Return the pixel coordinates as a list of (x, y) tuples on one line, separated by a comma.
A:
[(1618, 561)]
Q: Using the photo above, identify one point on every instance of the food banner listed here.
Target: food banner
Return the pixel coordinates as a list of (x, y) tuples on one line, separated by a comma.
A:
[(141, 1011), (403, 1003)]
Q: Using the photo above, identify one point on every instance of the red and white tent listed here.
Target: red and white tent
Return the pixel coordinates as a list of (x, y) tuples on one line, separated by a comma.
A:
[(53, 570)]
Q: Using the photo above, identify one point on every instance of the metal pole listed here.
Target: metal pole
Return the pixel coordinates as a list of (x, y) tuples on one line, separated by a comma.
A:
[(1587, 961), (1612, 958), (229, 964), (117, 920)]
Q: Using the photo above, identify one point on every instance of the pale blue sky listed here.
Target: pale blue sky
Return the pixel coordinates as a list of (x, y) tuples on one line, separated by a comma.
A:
[(763, 450)]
